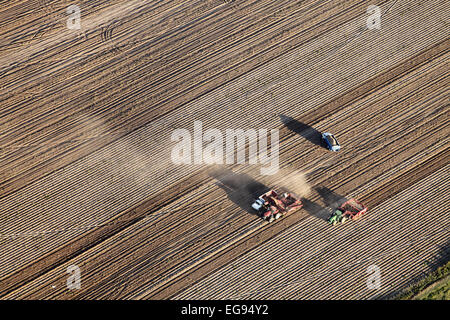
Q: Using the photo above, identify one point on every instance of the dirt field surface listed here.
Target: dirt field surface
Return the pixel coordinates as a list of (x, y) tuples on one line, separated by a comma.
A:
[(87, 178)]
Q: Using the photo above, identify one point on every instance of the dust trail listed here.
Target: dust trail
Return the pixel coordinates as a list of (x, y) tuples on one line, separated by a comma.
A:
[(243, 184), (291, 181)]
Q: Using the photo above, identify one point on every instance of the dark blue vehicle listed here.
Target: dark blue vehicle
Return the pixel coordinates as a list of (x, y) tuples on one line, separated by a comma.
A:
[(330, 141)]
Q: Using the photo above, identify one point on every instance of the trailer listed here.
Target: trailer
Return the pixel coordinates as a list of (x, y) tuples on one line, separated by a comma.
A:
[(351, 209), (272, 205)]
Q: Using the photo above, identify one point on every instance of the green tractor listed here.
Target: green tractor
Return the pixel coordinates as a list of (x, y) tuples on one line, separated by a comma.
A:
[(337, 217), (352, 209)]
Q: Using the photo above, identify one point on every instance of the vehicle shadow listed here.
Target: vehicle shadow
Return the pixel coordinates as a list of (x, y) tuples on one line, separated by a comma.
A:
[(242, 189), (315, 209), (304, 130), (330, 198), (331, 201)]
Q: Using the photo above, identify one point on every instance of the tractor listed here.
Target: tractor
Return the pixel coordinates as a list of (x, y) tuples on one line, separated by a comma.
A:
[(351, 209), (272, 206)]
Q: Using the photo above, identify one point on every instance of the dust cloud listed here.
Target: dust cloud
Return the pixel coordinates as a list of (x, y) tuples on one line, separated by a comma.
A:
[(291, 181)]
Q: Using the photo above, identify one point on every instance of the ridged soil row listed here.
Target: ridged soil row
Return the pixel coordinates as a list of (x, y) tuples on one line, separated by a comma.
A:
[(391, 132), (326, 272), (50, 260), (435, 162), (93, 216), (129, 113), (99, 273)]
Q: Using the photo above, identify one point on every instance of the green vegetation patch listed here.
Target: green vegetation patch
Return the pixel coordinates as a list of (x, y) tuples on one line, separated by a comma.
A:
[(435, 286)]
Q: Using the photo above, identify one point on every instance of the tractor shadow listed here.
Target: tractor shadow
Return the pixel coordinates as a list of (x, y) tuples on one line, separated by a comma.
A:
[(304, 130), (242, 189), (315, 209), (330, 200)]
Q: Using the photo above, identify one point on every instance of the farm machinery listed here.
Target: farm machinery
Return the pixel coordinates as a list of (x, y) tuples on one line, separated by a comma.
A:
[(351, 209), (272, 206)]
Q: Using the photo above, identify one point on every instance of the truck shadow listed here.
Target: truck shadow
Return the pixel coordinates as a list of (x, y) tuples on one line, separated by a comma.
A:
[(242, 189), (304, 130)]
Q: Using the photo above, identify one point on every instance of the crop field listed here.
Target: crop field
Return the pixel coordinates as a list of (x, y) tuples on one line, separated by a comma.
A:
[(87, 171)]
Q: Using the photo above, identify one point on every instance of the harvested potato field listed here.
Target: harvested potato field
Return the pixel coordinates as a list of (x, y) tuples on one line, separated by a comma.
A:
[(92, 116)]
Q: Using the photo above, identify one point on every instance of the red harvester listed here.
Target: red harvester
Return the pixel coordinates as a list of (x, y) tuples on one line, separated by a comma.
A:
[(272, 206)]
